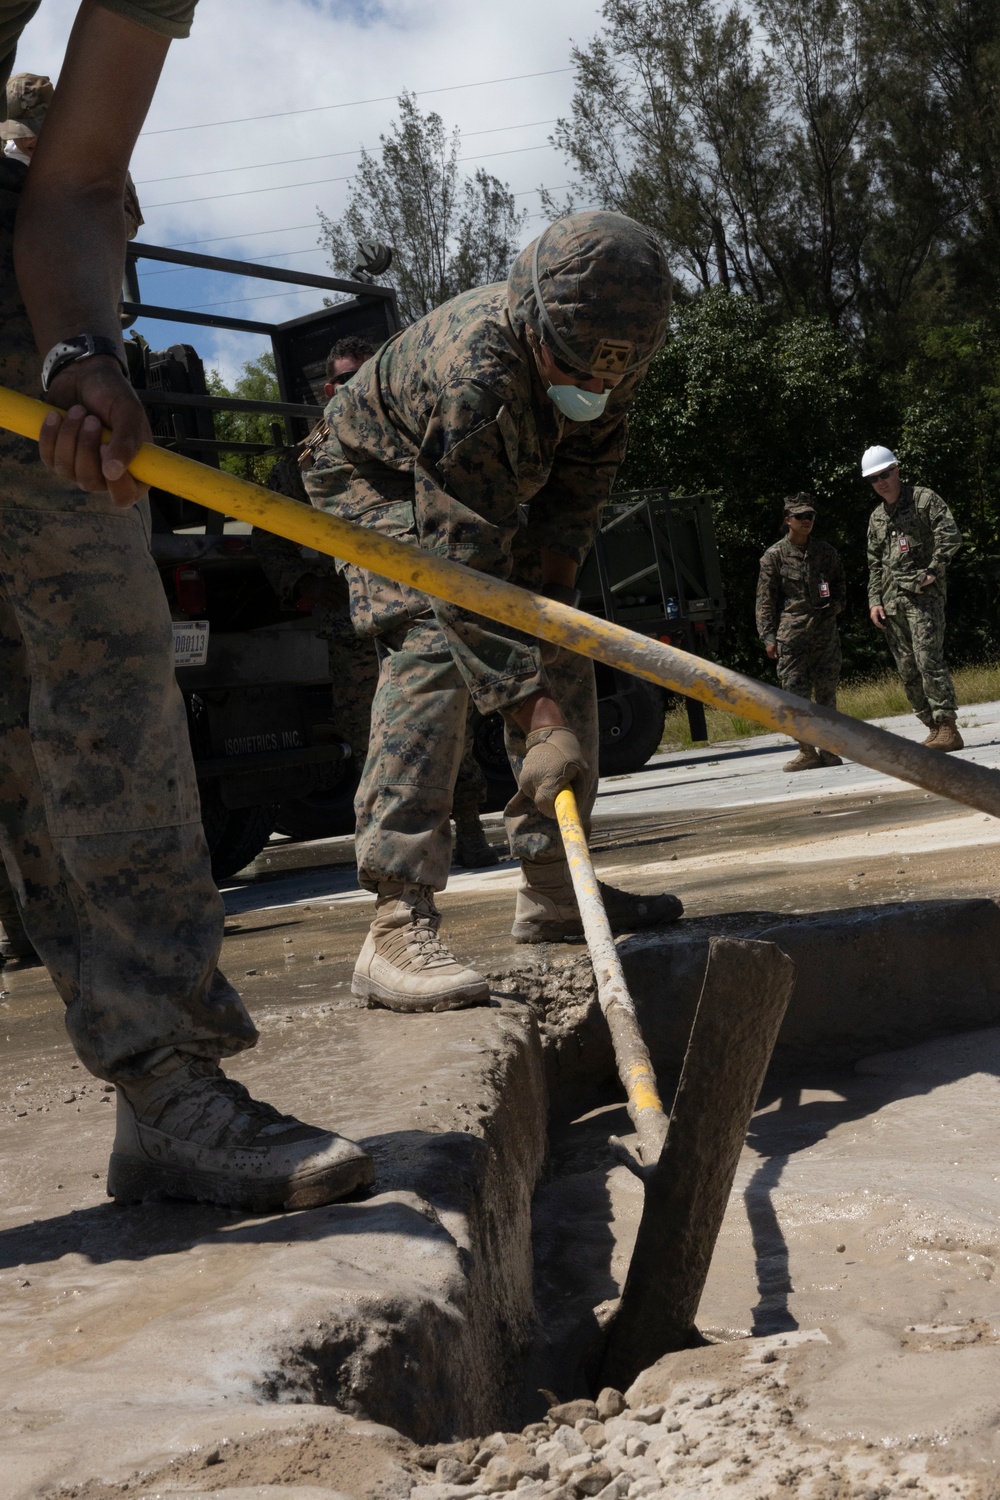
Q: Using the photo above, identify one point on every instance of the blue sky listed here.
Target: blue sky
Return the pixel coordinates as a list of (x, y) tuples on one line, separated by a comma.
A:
[(262, 111)]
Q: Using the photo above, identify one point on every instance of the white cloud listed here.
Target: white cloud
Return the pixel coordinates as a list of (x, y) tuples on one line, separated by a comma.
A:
[(264, 63)]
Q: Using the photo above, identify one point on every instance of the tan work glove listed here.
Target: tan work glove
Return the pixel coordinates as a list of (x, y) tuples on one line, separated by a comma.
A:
[(552, 761)]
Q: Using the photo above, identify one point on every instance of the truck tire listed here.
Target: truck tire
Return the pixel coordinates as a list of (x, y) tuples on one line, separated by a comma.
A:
[(631, 724), (235, 835), (320, 815)]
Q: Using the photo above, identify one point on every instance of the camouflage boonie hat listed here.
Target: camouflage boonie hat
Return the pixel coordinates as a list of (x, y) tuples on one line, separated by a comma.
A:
[(595, 287), (795, 505), (28, 97)]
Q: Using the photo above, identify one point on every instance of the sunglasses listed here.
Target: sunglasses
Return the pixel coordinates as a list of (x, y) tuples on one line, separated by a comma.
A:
[(801, 515)]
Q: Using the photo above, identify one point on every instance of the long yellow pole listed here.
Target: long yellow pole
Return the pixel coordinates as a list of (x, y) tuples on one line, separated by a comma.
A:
[(614, 644), (635, 1066)]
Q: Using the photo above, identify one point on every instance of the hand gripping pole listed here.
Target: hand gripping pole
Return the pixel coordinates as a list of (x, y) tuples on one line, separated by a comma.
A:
[(548, 620)]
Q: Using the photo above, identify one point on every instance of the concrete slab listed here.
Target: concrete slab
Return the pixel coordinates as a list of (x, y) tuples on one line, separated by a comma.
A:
[(867, 978), (195, 1328), (122, 1327)]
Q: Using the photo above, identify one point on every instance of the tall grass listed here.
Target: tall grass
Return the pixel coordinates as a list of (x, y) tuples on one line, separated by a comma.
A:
[(871, 698)]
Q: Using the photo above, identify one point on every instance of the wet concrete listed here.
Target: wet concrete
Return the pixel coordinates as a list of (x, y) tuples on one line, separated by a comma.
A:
[(124, 1328), (133, 1337)]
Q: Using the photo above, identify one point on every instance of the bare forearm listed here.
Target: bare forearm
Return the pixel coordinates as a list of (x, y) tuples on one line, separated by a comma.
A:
[(539, 712), (70, 241), (69, 253), (558, 568)]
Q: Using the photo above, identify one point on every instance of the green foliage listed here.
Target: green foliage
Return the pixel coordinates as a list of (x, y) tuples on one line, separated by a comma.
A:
[(829, 157), (757, 410), (258, 382), (447, 232), (826, 177)]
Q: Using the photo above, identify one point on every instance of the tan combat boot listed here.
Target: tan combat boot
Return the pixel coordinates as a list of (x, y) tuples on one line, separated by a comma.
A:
[(546, 910), (193, 1133), (808, 759), (930, 738), (827, 758), (946, 737), (404, 965)]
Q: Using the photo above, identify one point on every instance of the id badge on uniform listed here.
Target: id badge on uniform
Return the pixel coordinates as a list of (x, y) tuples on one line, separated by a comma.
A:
[(904, 542), (824, 589)]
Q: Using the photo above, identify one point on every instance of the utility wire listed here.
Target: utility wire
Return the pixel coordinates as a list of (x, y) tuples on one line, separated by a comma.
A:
[(355, 103), (292, 161), (284, 187), (267, 296)]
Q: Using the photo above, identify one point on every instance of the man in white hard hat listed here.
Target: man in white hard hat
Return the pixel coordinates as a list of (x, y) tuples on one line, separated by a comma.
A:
[(912, 537)]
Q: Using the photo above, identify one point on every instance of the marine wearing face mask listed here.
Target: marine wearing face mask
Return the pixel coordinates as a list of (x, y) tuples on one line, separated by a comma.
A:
[(490, 431)]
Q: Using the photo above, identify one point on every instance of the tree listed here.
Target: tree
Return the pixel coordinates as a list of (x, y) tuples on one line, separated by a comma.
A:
[(755, 138), (756, 410), (258, 382), (448, 232)]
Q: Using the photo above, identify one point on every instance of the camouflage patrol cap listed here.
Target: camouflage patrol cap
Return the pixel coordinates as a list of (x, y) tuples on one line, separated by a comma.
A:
[(28, 97), (596, 288), (796, 504)]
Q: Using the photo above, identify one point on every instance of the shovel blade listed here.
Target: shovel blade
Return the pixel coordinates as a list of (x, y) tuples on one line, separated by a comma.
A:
[(744, 996)]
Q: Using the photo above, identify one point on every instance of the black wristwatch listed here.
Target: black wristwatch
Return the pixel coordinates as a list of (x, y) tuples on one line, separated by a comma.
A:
[(82, 346)]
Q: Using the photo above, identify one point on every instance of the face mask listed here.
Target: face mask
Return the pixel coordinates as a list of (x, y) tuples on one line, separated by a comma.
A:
[(578, 405)]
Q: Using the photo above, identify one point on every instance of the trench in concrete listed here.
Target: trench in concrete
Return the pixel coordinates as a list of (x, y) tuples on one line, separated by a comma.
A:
[(417, 1307), (474, 1359), (869, 981)]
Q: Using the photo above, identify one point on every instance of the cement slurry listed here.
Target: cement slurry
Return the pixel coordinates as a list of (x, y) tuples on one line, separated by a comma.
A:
[(130, 1336)]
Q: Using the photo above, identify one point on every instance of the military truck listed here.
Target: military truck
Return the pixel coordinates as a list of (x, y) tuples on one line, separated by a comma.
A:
[(255, 677), (655, 568)]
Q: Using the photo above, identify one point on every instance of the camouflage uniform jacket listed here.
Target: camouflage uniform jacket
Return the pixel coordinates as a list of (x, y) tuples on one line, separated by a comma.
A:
[(915, 536), (801, 588), (450, 434)]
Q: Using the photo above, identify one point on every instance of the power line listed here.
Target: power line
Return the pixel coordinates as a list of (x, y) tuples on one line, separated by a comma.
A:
[(284, 187), (355, 103), (232, 239), (292, 161), (265, 296)]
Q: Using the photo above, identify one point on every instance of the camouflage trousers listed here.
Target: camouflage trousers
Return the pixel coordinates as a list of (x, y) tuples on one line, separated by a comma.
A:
[(100, 824), (809, 666), (914, 629), (354, 668), (419, 719)]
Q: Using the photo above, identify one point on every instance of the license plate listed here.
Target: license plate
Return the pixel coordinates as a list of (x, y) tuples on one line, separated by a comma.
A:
[(190, 643)]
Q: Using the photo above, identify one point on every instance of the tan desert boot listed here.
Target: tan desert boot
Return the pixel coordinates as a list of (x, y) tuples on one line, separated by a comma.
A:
[(404, 965), (827, 758), (546, 910), (808, 759), (192, 1133), (946, 737)]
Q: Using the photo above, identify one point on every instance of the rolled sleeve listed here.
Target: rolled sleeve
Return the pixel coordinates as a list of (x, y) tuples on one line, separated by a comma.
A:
[(170, 18)]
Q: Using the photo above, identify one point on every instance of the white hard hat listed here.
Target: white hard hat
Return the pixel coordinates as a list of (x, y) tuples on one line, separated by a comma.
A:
[(874, 460)]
